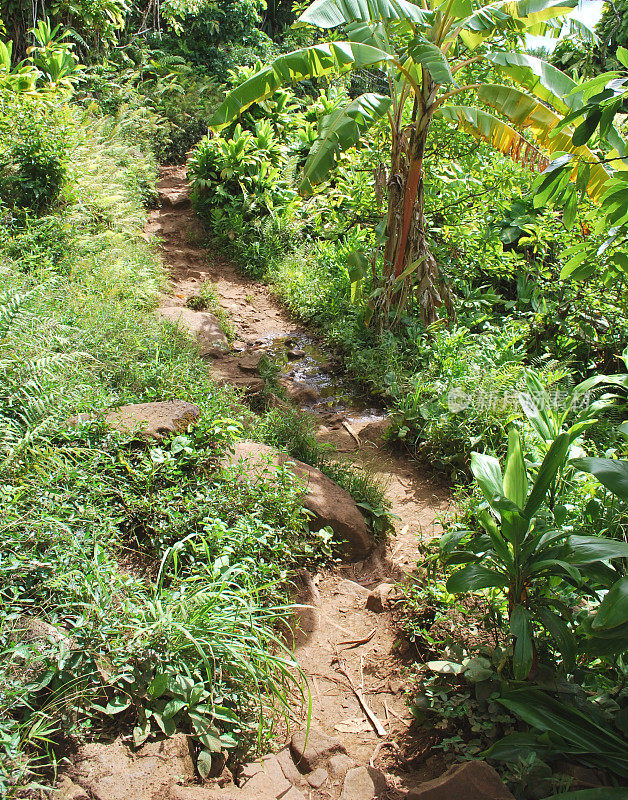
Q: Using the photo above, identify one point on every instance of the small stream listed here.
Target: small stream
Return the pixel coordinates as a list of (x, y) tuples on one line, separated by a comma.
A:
[(307, 363)]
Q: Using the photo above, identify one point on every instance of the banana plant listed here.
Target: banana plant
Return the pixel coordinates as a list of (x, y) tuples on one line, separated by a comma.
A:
[(522, 550), (421, 50)]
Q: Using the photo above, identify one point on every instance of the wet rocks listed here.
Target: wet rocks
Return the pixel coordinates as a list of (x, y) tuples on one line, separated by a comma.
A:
[(473, 780), (202, 325), (328, 504), (250, 362), (175, 197), (300, 393)]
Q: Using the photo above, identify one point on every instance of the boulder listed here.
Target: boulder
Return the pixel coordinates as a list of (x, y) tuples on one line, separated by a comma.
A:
[(150, 419), (202, 325), (328, 504), (113, 772), (172, 197), (473, 780), (312, 748), (300, 393)]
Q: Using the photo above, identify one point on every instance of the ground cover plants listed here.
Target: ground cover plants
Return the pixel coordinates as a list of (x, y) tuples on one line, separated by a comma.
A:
[(129, 569), (467, 262)]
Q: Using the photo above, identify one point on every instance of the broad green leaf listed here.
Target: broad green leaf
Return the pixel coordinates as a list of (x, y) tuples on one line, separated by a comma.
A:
[(431, 57), (521, 629), (173, 707), (338, 132), (543, 712), (475, 576), (622, 56), (610, 472), (530, 15), (488, 474), (527, 113), (560, 633), (515, 475), (515, 746), (552, 462), (167, 724), (158, 685), (316, 61), (545, 81), (586, 549), (331, 13), (204, 763), (613, 610)]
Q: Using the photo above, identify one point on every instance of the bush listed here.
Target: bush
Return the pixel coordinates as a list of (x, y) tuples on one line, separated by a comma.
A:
[(33, 156)]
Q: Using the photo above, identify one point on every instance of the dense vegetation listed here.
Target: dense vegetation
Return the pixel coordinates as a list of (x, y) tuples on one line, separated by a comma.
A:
[(451, 214)]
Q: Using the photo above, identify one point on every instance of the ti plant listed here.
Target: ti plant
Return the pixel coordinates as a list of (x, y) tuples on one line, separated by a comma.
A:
[(523, 553), (429, 60)]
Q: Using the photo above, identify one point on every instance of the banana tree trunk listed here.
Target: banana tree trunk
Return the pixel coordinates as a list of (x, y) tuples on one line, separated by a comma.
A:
[(409, 266)]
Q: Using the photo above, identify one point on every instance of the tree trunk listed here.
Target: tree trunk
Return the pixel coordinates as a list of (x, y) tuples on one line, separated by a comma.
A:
[(409, 266)]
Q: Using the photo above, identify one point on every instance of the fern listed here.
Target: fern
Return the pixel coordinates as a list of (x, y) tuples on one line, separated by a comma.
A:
[(26, 398)]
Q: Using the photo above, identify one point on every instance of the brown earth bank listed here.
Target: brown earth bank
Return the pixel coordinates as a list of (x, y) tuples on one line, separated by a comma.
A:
[(346, 639)]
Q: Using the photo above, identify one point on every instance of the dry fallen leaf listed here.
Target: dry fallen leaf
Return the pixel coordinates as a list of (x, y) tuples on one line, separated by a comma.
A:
[(353, 725)]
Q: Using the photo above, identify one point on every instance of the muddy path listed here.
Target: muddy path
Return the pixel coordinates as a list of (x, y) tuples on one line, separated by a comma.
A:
[(345, 647)]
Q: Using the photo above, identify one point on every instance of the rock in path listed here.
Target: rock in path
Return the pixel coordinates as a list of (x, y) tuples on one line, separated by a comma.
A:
[(312, 748), (329, 504), (113, 772), (150, 419), (474, 780), (364, 783), (202, 325)]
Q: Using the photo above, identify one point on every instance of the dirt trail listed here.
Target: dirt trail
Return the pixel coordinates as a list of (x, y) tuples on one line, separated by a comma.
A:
[(331, 632)]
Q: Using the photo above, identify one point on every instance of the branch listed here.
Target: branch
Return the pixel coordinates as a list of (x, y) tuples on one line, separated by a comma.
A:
[(466, 63), (453, 92)]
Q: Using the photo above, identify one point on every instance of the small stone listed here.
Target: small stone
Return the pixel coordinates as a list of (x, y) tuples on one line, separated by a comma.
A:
[(377, 600), (300, 393), (263, 777), (363, 783), (250, 363), (317, 778), (239, 346), (288, 766), (296, 353), (473, 780), (312, 748), (68, 790), (339, 765)]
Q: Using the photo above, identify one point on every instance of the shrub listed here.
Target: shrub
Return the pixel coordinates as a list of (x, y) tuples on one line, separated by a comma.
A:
[(33, 156)]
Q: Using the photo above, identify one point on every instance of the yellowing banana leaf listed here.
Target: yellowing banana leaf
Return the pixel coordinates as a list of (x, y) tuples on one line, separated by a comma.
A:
[(529, 15), (547, 83), (310, 62)]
